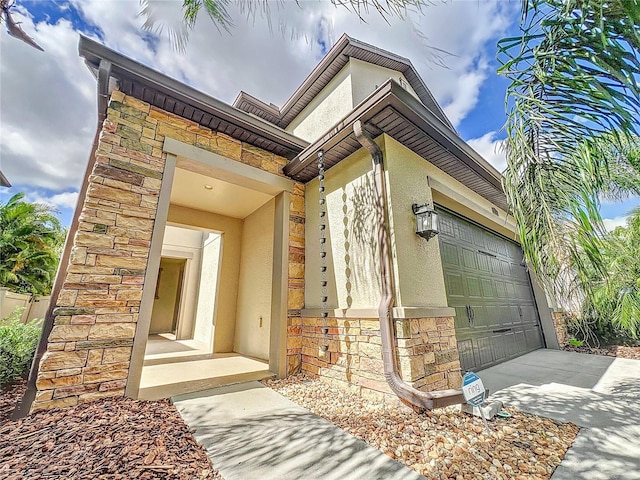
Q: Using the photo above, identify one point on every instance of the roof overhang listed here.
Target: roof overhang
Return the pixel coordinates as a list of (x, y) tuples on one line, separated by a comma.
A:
[(339, 55), (394, 111), (175, 97), (3, 180)]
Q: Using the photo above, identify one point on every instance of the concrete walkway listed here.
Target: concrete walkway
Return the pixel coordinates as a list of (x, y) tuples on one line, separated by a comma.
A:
[(600, 394), (252, 432)]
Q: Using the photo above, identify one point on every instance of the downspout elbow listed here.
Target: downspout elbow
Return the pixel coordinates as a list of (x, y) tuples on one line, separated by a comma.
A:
[(419, 400)]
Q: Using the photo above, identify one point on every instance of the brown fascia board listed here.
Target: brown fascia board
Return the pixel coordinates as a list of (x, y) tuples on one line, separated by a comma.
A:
[(392, 94), (281, 116), (93, 52), (4, 182)]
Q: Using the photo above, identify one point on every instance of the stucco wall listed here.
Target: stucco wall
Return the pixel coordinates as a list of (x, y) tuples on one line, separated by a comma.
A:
[(352, 246), (352, 256), (185, 243), (330, 105), (367, 77), (253, 319), (231, 230), (417, 267), (355, 82), (208, 288)]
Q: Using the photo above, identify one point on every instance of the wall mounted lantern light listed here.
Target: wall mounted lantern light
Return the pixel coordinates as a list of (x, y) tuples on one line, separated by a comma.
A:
[(426, 221)]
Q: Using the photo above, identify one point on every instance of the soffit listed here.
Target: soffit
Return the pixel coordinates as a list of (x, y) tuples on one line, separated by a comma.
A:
[(392, 110), (175, 97)]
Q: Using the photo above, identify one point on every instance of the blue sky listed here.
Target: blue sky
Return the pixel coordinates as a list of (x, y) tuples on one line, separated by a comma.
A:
[(47, 100)]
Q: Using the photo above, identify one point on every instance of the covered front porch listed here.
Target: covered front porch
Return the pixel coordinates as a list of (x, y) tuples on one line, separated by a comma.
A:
[(174, 367)]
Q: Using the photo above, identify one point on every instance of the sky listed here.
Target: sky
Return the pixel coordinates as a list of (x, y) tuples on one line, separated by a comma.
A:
[(48, 111)]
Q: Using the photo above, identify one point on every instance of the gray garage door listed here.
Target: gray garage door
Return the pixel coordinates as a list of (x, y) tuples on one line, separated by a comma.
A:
[(488, 285)]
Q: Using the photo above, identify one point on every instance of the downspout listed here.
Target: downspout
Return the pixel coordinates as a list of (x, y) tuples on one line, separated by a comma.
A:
[(23, 407), (417, 399)]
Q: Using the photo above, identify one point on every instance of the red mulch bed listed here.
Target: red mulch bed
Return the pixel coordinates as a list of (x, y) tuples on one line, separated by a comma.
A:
[(9, 398), (610, 351), (107, 439)]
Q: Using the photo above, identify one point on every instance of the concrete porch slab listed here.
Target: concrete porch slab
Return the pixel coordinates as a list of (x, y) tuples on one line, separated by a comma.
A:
[(251, 432), (182, 375)]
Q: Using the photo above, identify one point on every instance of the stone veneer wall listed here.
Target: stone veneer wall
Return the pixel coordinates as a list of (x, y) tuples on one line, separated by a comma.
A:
[(426, 347), (89, 348), (560, 326)]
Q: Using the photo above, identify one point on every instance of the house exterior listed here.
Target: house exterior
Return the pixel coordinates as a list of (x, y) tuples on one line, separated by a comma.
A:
[(246, 178)]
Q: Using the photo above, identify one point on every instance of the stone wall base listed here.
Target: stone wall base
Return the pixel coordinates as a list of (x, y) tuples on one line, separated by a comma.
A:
[(560, 326), (426, 349)]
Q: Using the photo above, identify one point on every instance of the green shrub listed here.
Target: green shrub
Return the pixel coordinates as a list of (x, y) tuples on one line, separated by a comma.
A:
[(18, 343)]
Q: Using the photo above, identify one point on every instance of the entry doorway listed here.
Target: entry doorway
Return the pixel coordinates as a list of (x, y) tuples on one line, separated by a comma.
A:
[(248, 211), (168, 297)]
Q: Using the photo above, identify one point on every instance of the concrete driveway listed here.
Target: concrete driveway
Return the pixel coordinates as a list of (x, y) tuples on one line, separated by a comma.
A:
[(600, 394)]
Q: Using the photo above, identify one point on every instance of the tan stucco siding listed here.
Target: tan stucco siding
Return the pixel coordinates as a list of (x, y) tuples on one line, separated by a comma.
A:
[(458, 197), (332, 103), (185, 243), (231, 230), (418, 269), (352, 246), (255, 284), (367, 77), (208, 280)]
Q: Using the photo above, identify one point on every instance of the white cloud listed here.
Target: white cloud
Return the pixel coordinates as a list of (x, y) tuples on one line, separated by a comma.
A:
[(56, 201), (48, 104), (64, 200), (611, 224), (491, 150)]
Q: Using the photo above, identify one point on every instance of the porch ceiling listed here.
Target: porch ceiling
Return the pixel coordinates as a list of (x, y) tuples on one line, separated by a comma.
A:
[(224, 198), (394, 111)]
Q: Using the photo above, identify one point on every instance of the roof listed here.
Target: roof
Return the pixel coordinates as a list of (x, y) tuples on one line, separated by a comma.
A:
[(173, 96), (394, 111), (390, 109), (3, 180), (335, 59)]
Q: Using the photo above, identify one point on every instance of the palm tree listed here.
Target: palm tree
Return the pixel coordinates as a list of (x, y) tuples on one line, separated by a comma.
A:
[(614, 306), (572, 110), (217, 10), (30, 241)]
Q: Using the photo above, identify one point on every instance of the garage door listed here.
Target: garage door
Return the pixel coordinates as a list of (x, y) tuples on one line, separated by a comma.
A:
[(490, 289)]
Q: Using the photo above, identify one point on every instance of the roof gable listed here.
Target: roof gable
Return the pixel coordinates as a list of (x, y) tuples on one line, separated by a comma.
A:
[(339, 55)]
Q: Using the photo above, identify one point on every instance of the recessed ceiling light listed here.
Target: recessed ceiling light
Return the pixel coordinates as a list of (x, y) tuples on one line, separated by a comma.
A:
[(208, 187)]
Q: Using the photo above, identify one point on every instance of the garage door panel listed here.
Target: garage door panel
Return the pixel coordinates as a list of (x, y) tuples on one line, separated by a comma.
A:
[(483, 348), (465, 350), (455, 285), (484, 271), (499, 347), (469, 259), (449, 254)]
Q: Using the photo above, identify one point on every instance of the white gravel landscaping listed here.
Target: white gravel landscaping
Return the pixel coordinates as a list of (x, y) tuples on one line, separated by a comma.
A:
[(444, 443)]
